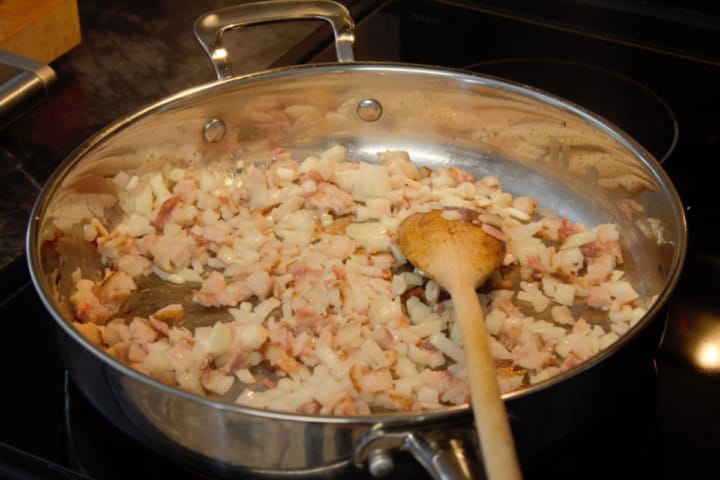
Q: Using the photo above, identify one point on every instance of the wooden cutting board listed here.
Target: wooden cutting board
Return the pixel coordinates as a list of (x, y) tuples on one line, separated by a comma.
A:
[(39, 29)]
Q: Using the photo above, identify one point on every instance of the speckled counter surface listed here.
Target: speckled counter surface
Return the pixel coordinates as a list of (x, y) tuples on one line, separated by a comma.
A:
[(133, 53)]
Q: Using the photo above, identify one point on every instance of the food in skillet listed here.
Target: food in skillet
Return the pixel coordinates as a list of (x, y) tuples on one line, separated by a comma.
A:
[(322, 312)]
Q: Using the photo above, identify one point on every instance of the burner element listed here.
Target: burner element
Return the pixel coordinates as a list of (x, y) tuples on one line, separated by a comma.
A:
[(693, 333), (629, 104)]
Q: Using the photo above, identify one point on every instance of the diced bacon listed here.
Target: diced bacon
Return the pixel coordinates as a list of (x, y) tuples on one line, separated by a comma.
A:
[(166, 209), (142, 332), (508, 307), (603, 248), (277, 356), (308, 317), (598, 297), (160, 326), (392, 400), (336, 246), (535, 263), (260, 284), (460, 176), (173, 312), (324, 314), (115, 287), (493, 232), (88, 307), (562, 315), (281, 156), (369, 380), (398, 162), (383, 337), (309, 408), (600, 268), (91, 331), (186, 189), (216, 292), (312, 175), (239, 361), (330, 198)]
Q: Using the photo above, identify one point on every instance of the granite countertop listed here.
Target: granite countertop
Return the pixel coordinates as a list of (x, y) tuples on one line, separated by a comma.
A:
[(133, 53)]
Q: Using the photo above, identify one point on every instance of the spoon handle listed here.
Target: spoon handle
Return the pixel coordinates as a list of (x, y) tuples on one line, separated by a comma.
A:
[(491, 421)]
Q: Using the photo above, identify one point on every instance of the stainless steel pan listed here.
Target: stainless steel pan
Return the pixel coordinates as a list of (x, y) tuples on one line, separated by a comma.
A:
[(576, 165)]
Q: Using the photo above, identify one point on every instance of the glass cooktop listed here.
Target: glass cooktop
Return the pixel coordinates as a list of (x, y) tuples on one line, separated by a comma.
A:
[(657, 81)]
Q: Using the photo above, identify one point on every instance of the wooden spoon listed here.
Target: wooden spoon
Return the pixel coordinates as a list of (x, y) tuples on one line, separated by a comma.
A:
[(451, 248)]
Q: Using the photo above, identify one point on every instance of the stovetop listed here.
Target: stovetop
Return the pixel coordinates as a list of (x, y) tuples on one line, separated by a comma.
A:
[(652, 68)]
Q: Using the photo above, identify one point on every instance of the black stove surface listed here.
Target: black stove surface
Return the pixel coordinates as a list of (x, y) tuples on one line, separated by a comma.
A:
[(652, 68)]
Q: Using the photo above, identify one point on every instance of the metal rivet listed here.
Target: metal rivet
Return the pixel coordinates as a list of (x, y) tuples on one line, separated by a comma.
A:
[(369, 109), (380, 463), (214, 130)]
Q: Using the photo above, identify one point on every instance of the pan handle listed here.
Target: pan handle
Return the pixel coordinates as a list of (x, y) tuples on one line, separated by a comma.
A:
[(444, 453), (210, 27)]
